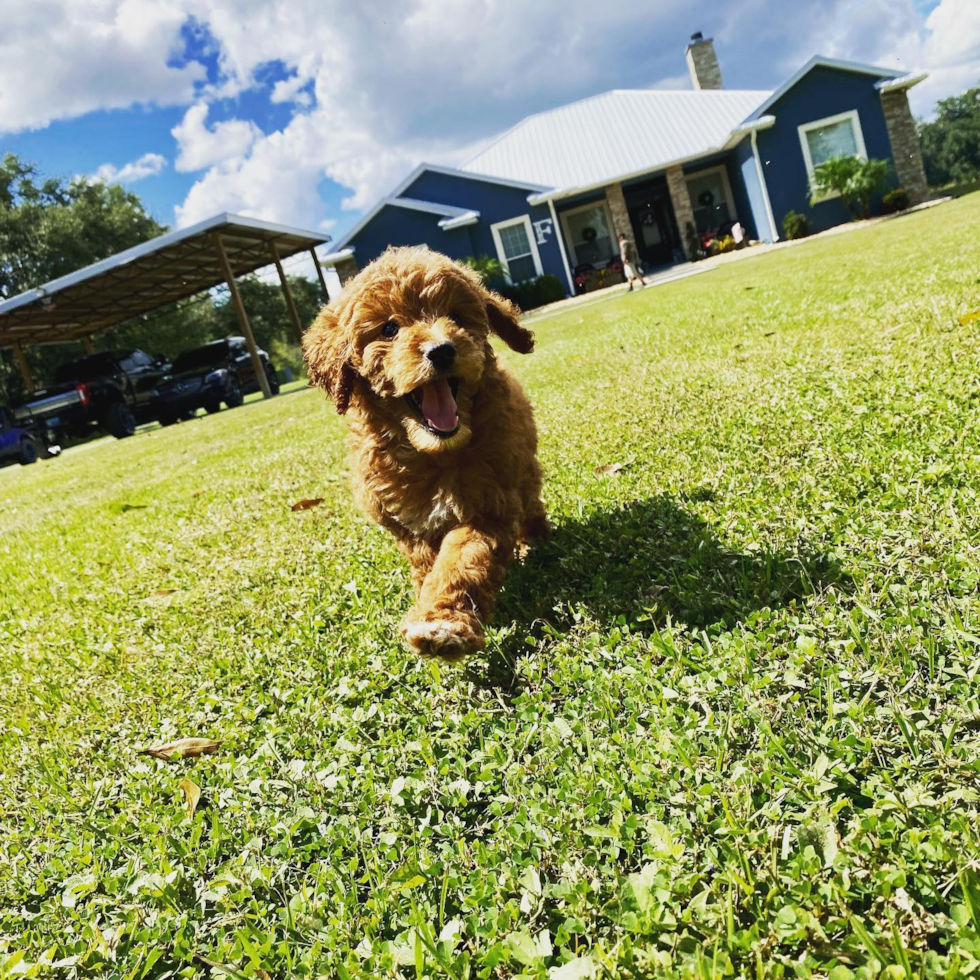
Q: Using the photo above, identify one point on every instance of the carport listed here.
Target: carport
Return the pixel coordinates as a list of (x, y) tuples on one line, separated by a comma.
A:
[(170, 267)]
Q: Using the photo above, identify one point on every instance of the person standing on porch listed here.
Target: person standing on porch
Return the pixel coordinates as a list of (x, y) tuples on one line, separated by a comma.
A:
[(629, 263)]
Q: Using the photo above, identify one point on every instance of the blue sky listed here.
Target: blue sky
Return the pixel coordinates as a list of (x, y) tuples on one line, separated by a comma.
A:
[(307, 112)]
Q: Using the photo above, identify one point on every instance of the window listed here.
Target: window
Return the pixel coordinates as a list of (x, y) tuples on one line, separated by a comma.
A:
[(588, 231), (516, 249), (711, 199), (835, 136), (135, 360)]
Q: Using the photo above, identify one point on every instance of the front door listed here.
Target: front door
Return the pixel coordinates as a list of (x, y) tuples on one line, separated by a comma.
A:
[(653, 228)]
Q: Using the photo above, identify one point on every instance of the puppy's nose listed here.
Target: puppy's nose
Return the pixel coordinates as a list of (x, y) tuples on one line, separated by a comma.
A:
[(442, 355)]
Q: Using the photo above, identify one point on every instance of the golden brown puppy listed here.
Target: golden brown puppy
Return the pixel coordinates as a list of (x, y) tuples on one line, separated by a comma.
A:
[(442, 437)]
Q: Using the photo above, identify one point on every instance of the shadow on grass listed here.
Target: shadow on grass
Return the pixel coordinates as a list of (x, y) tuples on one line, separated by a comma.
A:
[(642, 564)]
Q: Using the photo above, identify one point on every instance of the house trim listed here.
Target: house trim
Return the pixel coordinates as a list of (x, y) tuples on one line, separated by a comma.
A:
[(524, 220), (604, 204), (850, 116), (724, 179), (559, 234), (463, 175)]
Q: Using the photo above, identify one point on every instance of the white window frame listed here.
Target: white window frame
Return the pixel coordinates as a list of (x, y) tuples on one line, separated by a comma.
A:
[(851, 116), (522, 220), (723, 170), (604, 204)]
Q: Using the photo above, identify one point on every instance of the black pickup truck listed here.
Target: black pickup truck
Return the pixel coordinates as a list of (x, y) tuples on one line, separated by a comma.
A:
[(112, 390)]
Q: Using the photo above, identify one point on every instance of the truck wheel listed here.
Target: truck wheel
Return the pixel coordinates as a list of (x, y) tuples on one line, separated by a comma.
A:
[(273, 380), (28, 451), (234, 397), (119, 421)]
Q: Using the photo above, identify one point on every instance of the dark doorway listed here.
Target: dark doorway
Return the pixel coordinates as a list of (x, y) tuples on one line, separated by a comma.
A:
[(652, 217)]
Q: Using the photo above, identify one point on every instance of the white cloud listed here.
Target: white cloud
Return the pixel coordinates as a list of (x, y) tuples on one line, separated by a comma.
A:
[(63, 58), (148, 165), (375, 88), (199, 147)]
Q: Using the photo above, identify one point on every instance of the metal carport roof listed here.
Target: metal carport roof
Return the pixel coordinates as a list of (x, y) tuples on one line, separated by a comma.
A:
[(156, 272), (150, 275)]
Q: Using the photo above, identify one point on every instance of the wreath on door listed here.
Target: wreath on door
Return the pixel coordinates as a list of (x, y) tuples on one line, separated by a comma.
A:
[(589, 234), (706, 198)]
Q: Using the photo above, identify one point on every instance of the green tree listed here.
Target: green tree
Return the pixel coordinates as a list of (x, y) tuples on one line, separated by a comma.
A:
[(951, 142), (855, 180)]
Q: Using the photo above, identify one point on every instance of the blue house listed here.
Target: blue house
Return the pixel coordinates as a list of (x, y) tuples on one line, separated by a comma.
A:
[(551, 194)]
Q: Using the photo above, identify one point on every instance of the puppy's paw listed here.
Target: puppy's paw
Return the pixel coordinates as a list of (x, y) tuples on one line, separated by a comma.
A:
[(447, 636)]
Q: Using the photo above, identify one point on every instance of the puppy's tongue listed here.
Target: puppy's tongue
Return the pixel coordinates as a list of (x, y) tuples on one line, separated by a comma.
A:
[(439, 406)]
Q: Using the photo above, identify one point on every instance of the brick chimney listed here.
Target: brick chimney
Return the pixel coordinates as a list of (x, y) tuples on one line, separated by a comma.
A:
[(703, 63)]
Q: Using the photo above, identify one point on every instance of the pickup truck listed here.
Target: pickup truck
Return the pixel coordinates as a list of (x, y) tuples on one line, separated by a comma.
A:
[(112, 390), (15, 443)]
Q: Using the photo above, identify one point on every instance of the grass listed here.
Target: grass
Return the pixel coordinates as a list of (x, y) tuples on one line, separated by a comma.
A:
[(728, 721)]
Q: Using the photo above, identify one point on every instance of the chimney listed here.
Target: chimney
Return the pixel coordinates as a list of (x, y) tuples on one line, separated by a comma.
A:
[(703, 63)]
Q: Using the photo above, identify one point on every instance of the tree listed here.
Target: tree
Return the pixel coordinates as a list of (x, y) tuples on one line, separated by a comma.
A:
[(855, 180), (951, 143), (51, 228)]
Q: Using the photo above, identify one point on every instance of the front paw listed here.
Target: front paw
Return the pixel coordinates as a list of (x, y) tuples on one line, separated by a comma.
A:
[(442, 634)]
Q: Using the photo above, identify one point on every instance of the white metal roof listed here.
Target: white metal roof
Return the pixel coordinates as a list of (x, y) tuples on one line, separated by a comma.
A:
[(620, 132)]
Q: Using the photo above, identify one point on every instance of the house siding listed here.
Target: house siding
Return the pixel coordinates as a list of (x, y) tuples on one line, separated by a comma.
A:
[(495, 202), (820, 93), (393, 225)]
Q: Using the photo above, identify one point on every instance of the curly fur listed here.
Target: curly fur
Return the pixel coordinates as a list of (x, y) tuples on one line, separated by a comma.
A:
[(457, 505)]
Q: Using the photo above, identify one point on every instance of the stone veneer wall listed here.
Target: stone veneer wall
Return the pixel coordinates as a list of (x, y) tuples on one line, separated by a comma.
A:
[(905, 144), (681, 200), (620, 216), (702, 63), (346, 269)]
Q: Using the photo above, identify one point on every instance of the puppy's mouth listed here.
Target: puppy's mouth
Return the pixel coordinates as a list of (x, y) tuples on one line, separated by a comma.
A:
[(435, 404)]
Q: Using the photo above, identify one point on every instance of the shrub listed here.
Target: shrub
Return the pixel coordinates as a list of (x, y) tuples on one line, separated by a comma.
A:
[(532, 293), (856, 180), (488, 268), (724, 244), (795, 225), (897, 199)]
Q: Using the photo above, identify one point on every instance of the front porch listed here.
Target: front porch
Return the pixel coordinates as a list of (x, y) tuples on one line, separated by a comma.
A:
[(669, 216)]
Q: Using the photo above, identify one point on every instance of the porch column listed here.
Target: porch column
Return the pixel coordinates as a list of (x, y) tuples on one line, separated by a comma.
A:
[(236, 301), (905, 145), (620, 216), (25, 368), (683, 212), (346, 270)]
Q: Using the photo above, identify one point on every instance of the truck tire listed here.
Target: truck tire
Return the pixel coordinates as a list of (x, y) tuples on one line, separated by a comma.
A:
[(234, 397), (119, 421), (270, 373), (28, 451)]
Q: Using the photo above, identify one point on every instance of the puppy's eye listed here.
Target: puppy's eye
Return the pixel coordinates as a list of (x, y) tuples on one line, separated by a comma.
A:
[(456, 318), (389, 329)]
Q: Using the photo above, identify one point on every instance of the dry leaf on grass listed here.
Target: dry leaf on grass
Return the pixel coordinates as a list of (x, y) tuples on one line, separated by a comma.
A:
[(185, 748), (969, 317), (614, 469), (192, 795), (163, 592), (307, 504)]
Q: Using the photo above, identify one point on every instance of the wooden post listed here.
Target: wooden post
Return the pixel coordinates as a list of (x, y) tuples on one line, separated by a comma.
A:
[(257, 366), (89, 346), (25, 368), (319, 272), (286, 292)]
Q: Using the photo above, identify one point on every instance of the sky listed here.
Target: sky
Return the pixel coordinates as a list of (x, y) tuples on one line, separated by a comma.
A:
[(306, 112)]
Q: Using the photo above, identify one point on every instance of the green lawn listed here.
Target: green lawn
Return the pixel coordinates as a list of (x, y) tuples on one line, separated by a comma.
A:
[(727, 721)]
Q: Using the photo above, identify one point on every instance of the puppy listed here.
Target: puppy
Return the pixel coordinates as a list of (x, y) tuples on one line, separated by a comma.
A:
[(442, 438)]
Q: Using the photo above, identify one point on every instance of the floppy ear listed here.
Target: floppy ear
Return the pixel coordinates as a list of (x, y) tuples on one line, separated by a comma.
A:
[(505, 321), (327, 352)]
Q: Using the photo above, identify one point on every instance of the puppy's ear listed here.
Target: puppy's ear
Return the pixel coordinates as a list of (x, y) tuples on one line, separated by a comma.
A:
[(327, 358), (505, 321)]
